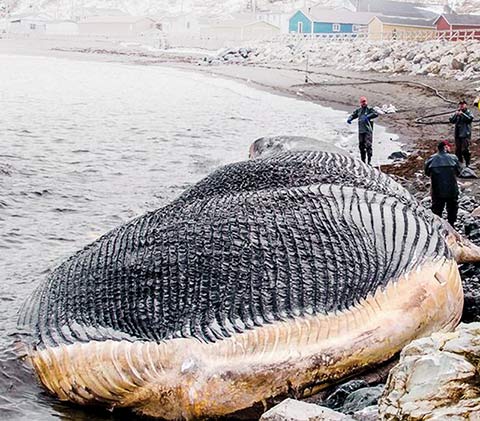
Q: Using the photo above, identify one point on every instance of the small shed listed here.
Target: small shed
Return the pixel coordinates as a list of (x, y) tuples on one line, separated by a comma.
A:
[(389, 27), (328, 21), (116, 25), (465, 25), (62, 27)]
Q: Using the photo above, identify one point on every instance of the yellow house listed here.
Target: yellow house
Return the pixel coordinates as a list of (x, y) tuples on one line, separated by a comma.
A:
[(390, 27)]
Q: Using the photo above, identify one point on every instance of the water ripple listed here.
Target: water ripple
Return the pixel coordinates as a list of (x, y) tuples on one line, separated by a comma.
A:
[(96, 151)]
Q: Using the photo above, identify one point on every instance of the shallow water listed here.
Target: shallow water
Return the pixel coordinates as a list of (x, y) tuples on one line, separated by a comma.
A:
[(86, 146)]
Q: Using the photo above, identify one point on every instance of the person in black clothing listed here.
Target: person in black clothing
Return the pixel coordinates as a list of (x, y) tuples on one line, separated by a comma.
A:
[(463, 132), (365, 128), (443, 169)]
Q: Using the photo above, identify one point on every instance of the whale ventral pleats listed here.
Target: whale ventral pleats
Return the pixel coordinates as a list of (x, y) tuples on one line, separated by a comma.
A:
[(258, 241)]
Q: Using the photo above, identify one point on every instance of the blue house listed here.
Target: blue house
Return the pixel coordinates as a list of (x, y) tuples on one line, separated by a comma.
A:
[(328, 21)]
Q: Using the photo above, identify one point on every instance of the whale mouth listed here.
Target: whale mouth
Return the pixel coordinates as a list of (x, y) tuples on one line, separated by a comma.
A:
[(185, 378)]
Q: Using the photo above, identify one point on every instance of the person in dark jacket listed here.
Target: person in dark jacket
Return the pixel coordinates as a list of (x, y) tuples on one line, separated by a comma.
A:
[(365, 115), (443, 169), (463, 132)]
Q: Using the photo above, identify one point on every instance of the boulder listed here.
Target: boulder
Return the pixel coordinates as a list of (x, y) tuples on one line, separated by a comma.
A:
[(337, 399), (446, 61), (401, 66), (398, 155), (437, 378), (418, 58), (361, 399), (293, 410), (370, 413), (476, 212), (457, 64)]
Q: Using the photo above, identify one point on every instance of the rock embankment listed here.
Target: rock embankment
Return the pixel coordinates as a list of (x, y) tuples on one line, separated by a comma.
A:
[(447, 59), (437, 378)]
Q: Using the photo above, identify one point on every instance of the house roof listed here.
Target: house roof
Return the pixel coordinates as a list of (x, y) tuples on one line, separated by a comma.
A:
[(241, 24), (114, 19), (400, 21), (56, 22), (341, 15), (470, 20), (235, 19), (29, 16), (397, 8)]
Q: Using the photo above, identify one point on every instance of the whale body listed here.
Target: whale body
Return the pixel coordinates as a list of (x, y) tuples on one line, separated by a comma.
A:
[(269, 277)]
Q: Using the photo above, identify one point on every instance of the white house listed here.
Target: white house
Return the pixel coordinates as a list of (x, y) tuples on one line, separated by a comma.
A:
[(180, 23), (116, 25), (62, 27), (278, 19), (239, 30), (28, 24)]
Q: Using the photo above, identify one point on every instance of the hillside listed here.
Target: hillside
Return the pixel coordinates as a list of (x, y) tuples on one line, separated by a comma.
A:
[(67, 8)]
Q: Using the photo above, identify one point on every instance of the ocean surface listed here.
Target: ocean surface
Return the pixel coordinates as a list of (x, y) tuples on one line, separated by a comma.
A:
[(86, 146)]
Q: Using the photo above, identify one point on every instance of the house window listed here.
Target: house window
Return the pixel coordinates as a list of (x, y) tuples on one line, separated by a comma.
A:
[(300, 27), (336, 27), (356, 28), (33, 26)]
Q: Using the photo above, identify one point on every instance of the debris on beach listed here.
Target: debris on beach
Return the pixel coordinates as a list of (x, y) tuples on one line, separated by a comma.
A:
[(229, 55), (385, 109)]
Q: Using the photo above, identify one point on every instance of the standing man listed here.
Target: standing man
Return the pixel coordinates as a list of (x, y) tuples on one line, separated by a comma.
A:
[(463, 132), (365, 128), (443, 169)]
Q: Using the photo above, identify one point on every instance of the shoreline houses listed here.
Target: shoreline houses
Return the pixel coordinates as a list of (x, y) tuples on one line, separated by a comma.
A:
[(377, 19), (386, 19)]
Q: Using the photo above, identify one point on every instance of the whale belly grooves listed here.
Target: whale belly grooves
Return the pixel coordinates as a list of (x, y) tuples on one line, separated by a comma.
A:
[(249, 285)]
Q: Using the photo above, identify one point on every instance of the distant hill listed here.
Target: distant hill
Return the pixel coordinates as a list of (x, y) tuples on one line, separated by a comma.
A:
[(69, 8)]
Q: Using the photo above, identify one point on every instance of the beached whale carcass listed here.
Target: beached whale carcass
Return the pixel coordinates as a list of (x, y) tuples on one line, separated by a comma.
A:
[(267, 277)]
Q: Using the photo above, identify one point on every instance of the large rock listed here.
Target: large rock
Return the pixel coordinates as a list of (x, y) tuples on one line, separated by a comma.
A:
[(370, 413), (293, 410), (337, 399), (361, 399), (437, 378)]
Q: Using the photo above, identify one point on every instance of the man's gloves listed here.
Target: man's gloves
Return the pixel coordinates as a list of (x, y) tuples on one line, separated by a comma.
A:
[(364, 119), (349, 120)]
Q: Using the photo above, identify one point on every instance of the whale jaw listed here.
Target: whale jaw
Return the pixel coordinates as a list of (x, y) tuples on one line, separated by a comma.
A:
[(188, 379)]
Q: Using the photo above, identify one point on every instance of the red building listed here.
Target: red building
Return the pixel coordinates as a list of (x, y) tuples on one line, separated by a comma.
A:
[(459, 27)]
